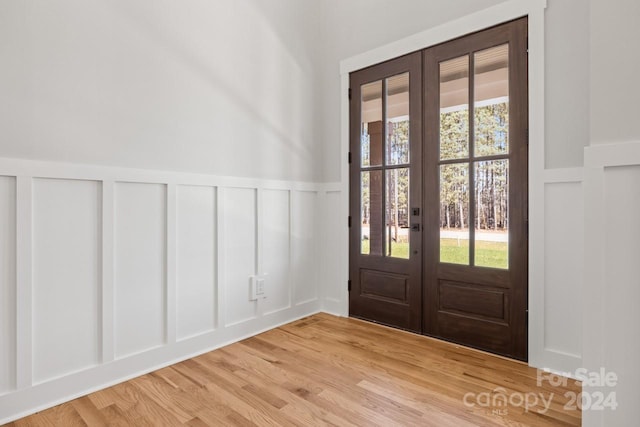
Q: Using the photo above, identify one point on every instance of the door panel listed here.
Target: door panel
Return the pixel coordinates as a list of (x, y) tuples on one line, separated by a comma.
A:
[(475, 190), (385, 261), (438, 239)]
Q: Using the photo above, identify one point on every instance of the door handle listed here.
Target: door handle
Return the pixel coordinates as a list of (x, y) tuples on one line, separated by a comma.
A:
[(415, 227)]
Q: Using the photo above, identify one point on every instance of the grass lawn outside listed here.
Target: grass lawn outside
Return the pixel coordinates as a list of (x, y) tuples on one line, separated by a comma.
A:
[(454, 251), (398, 250)]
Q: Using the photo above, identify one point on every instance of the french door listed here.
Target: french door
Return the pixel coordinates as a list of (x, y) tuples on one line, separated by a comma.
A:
[(386, 181), (438, 191)]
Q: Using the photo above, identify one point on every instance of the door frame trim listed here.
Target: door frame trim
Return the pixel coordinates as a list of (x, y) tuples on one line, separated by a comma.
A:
[(486, 18)]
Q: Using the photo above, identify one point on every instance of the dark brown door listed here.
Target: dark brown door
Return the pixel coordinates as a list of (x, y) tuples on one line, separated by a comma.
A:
[(453, 184), (475, 160), (385, 184)]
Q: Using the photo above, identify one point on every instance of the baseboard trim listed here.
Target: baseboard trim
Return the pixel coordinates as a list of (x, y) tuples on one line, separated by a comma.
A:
[(22, 403)]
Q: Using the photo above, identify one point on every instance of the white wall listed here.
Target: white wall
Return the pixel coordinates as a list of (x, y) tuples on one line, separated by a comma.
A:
[(567, 73), (7, 283), (225, 88), (615, 66)]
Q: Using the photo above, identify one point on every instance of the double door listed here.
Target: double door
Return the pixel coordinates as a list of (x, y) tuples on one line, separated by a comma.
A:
[(438, 191)]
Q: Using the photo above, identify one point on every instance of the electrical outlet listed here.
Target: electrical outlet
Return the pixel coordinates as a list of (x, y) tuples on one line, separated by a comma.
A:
[(257, 287), (260, 287)]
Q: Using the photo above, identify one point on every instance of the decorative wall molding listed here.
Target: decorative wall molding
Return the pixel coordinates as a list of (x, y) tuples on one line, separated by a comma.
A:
[(557, 335), (42, 169), (555, 339), (563, 175), (166, 260), (611, 292), (612, 155)]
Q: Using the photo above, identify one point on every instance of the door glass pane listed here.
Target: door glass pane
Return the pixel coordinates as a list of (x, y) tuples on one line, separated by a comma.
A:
[(454, 108), (371, 124), (397, 147), (454, 213), (397, 211), (371, 213), (492, 214), (491, 101), (365, 212)]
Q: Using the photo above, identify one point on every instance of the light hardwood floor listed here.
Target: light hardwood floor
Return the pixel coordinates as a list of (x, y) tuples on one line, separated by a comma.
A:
[(325, 370)]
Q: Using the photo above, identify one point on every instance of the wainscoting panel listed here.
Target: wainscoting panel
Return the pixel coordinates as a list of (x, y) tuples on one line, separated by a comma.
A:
[(239, 218), (556, 266), (333, 285), (196, 242), (305, 260), (140, 267), (7, 284), (611, 319), (276, 249), (564, 268), (108, 273), (621, 289), (66, 276)]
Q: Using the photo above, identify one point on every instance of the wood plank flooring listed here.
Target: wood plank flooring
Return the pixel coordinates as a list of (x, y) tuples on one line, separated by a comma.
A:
[(325, 370)]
